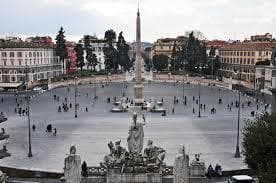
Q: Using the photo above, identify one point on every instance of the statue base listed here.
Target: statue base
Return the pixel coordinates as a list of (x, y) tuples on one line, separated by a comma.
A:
[(115, 176)]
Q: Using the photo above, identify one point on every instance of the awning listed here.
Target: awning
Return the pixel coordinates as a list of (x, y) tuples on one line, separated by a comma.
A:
[(10, 85)]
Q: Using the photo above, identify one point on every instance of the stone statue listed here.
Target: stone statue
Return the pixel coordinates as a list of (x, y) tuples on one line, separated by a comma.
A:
[(153, 155), (181, 167), (72, 167), (135, 138), (4, 178), (117, 155)]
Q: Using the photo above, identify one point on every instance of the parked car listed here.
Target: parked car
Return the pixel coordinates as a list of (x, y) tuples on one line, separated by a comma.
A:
[(241, 179), (37, 88)]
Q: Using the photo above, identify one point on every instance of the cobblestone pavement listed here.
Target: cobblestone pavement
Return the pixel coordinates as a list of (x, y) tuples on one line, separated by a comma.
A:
[(214, 136)]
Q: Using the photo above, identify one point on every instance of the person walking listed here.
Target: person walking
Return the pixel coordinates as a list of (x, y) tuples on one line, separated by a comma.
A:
[(33, 127), (144, 119), (55, 132), (84, 170)]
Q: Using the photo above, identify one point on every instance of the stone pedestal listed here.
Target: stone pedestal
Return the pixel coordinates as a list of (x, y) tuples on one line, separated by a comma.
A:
[(197, 169), (138, 94), (115, 176)]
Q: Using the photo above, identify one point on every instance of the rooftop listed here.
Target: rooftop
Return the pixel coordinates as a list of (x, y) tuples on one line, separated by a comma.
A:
[(248, 46), (9, 44)]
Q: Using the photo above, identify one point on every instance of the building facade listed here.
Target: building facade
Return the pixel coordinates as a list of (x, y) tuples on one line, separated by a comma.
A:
[(72, 57), (273, 54), (38, 60), (263, 81), (165, 46), (261, 38), (244, 56)]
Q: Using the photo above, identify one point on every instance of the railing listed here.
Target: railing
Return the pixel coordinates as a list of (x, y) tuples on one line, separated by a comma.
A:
[(101, 171)]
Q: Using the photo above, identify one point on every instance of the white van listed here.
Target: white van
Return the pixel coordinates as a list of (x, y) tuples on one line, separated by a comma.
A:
[(241, 179)]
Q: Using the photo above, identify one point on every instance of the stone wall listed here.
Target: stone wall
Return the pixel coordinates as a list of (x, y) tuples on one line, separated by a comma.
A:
[(113, 176)]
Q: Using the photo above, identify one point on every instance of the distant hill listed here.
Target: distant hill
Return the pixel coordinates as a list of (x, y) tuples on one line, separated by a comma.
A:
[(143, 44)]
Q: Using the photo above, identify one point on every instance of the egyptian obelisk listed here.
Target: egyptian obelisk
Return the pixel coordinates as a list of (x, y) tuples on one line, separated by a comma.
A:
[(138, 87)]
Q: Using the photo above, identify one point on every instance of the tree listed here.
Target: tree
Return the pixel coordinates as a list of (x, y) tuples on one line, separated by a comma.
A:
[(61, 49), (79, 53), (259, 144), (110, 53), (94, 61), (123, 49), (196, 55), (178, 57), (110, 36), (90, 56), (160, 62)]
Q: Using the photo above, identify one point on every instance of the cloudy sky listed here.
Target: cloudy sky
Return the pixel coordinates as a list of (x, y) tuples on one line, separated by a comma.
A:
[(217, 19)]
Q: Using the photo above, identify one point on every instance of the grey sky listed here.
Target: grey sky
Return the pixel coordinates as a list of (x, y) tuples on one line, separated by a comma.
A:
[(220, 19)]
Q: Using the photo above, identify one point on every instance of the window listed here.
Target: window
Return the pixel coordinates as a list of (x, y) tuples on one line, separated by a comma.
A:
[(40, 54), (12, 62), (37, 54), (4, 54), (30, 54), (11, 54), (19, 62), (34, 62), (19, 54), (241, 53), (260, 53), (253, 54), (238, 53), (248, 61), (4, 62), (248, 54), (244, 53), (12, 78)]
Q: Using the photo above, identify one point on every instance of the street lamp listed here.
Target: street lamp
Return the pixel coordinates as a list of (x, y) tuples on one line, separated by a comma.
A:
[(95, 89), (237, 153), (76, 111), (183, 82), (199, 114), (28, 112)]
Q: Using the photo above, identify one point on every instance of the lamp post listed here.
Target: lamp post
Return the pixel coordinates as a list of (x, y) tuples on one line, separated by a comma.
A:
[(183, 81), (183, 96), (199, 112), (28, 112), (95, 89), (237, 153), (76, 110), (174, 71)]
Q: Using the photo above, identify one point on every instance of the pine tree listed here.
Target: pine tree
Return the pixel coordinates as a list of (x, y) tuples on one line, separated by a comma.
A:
[(61, 49), (123, 48), (91, 58), (160, 62), (110, 53), (79, 53)]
